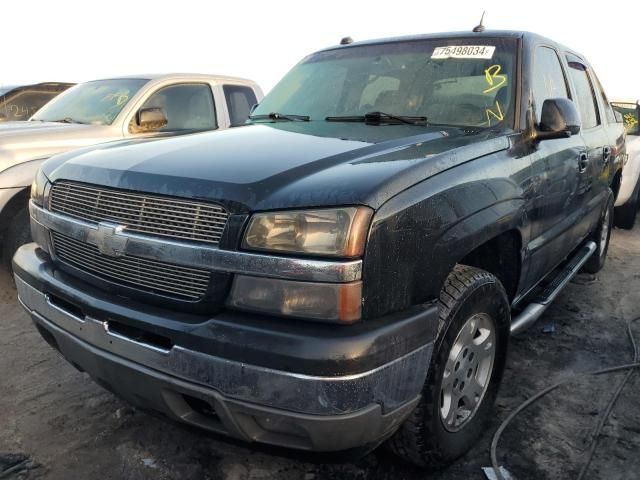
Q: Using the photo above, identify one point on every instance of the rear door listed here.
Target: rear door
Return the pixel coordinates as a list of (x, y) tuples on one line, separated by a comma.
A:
[(594, 160), (615, 153)]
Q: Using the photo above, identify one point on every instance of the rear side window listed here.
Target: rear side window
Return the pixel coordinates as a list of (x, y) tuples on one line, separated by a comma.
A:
[(239, 102), (608, 109), (585, 94), (548, 79)]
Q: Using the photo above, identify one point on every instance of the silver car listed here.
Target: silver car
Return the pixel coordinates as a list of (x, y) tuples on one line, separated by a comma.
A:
[(106, 110)]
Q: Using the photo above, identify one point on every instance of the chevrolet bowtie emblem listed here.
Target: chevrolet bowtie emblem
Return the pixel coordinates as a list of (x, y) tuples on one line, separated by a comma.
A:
[(109, 239)]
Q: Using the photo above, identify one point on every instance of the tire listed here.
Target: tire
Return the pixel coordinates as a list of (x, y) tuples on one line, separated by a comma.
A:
[(17, 234), (601, 236), (625, 215), (469, 294)]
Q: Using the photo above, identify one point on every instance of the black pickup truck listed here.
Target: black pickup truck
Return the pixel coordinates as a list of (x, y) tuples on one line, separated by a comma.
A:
[(348, 267)]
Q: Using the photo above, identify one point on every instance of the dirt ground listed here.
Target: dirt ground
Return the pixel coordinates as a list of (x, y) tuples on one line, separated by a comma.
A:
[(66, 427)]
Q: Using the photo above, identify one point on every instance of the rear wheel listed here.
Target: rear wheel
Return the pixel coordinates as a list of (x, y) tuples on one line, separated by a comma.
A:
[(601, 236), (465, 372), (17, 234), (625, 215)]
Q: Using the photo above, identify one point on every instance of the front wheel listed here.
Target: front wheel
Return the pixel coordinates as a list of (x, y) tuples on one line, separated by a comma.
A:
[(465, 372)]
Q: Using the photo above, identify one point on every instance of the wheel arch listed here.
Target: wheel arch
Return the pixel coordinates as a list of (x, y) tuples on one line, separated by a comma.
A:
[(500, 256), (491, 240), (408, 266), (19, 200), (616, 183)]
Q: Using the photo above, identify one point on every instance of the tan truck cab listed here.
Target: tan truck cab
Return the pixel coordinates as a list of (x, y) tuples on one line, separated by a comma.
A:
[(107, 110)]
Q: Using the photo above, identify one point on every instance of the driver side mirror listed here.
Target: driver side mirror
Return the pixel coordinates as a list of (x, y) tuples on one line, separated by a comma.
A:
[(559, 119), (151, 119)]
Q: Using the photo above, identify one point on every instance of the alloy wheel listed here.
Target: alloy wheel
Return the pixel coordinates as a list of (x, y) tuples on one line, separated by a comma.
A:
[(467, 372)]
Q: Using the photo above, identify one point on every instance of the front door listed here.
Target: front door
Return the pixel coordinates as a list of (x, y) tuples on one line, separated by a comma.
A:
[(557, 209), (188, 107)]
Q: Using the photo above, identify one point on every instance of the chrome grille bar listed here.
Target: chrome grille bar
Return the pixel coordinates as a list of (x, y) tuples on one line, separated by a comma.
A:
[(141, 213), (199, 256), (174, 281)]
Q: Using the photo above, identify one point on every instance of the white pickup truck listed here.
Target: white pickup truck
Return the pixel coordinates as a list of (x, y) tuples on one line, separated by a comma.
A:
[(628, 200), (107, 110)]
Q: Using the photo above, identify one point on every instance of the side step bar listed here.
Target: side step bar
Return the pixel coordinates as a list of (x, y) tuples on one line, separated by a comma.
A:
[(546, 295)]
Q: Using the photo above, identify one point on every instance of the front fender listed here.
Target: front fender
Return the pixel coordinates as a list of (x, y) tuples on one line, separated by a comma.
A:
[(417, 237), (20, 175)]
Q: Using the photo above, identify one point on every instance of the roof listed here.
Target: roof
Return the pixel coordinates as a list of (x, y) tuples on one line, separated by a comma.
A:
[(176, 76), (46, 86), (625, 100), (517, 34)]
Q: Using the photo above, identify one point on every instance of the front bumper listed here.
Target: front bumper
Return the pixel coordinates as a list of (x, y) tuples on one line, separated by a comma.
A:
[(354, 401)]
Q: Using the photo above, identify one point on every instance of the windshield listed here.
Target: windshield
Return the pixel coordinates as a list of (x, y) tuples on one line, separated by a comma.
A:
[(23, 103), (461, 82), (97, 103)]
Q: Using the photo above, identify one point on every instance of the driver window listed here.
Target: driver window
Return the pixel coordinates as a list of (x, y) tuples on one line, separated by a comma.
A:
[(186, 107), (548, 79)]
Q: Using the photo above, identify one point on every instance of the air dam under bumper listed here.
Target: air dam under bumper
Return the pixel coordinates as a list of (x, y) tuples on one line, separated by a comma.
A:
[(249, 402)]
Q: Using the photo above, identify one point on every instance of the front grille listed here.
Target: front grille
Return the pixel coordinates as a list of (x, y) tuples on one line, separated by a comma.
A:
[(173, 281), (149, 214)]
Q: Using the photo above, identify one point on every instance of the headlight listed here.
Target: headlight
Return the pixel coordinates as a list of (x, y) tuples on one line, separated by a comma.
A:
[(38, 187), (339, 232)]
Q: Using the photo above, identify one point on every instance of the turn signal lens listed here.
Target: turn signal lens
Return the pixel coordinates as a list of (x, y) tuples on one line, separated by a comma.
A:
[(327, 302)]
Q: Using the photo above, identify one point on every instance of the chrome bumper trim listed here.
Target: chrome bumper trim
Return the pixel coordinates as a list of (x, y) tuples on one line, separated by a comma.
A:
[(391, 385), (202, 256)]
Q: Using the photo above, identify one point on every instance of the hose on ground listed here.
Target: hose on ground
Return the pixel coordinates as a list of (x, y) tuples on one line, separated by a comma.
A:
[(629, 368)]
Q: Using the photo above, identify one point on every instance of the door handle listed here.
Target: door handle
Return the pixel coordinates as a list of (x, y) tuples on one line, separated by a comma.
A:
[(583, 162)]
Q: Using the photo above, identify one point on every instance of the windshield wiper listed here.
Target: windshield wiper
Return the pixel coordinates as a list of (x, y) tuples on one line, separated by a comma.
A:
[(66, 120), (376, 118), (281, 116)]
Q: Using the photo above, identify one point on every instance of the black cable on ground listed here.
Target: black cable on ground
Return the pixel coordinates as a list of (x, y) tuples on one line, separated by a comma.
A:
[(15, 468), (603, 419)]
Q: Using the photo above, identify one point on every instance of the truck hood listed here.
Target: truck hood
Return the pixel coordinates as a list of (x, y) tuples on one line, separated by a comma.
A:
[(281, 165), (24, 141)]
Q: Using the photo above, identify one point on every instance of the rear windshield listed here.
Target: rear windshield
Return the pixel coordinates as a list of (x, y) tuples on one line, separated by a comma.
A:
[(462, 82), (630, 116)]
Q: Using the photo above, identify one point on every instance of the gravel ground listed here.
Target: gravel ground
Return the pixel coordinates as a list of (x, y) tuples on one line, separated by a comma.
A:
[(60, 425)]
